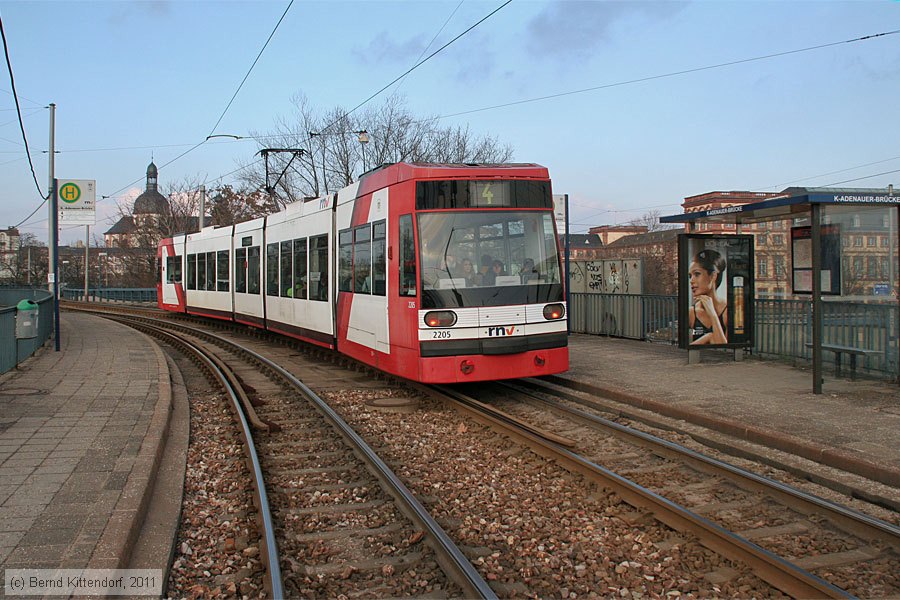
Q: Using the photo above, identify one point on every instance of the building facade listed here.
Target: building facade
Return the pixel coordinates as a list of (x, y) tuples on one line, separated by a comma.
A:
[(9, 254), (144, 228)]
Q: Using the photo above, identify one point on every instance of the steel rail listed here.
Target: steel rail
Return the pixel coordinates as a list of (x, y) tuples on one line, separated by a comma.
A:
[(768, 566), (448, 555), (228, 382), (447, 552), (861, 524)]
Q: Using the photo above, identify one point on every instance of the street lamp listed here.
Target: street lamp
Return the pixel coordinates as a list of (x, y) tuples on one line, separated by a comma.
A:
[(363, 140)]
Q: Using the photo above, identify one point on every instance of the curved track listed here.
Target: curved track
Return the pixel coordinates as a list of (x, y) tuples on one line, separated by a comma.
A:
[(799, 543), (286, 452)]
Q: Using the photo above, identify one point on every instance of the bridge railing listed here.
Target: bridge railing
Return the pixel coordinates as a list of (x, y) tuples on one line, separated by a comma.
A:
[(111, 294), (12, 350)]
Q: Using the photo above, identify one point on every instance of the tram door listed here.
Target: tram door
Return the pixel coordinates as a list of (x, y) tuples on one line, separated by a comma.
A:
[(364, 244)]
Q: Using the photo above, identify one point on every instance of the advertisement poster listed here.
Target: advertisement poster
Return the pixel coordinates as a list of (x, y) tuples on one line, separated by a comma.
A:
[(801, 259), (716, 292)]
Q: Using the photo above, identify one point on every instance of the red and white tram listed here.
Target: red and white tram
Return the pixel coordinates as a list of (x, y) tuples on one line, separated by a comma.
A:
[(436, 273)]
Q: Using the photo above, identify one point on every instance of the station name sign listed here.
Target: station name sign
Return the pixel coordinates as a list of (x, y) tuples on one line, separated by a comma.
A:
[(725, 211), (874, 199)]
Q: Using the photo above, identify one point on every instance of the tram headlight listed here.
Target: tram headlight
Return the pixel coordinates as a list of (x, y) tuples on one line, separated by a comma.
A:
[(440, 318), (552, 312)]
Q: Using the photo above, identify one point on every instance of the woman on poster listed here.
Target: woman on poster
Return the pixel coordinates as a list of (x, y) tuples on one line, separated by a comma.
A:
[(708, 314)]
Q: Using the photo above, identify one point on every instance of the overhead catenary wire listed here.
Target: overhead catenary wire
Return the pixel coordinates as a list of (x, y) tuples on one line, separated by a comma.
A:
[(410, 70), (419, 64), (230, 102), (439, 32), (250, 70), (667, 75), (877, 162), (12, 82), (861, 178)]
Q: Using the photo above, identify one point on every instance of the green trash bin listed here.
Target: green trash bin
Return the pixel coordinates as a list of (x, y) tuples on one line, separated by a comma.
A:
[(27, 320)]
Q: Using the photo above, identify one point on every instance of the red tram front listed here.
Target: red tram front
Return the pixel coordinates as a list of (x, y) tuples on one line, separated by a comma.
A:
[(451, 273)]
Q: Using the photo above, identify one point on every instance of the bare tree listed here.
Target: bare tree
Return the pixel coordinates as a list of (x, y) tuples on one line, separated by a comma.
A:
[(31, 267), (650, 220), (334, 157), (229, 206)]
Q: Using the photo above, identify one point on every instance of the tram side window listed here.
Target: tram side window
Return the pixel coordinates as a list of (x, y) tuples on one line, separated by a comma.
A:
[(253, 270), (362, 259), (300, 273), (173, 269), (222, 271), (379, 258), (201, 271), (318, 268), (192, 272), (287, 270), (240, 270), (345, 265), (211, 271), (272, 270), (407, 257)]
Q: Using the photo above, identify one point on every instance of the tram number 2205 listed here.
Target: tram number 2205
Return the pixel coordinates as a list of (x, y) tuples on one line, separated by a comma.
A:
[(440, 335)]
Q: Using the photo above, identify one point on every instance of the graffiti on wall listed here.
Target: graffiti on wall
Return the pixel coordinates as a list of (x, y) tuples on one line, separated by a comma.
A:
[(606, 276)]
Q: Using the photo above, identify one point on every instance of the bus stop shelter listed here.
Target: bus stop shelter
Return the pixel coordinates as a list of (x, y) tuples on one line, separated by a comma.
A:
[(824, 217)]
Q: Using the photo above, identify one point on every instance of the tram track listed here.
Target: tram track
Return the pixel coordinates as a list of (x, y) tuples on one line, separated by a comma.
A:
[(339, 509), (568, 436), (801, 544)]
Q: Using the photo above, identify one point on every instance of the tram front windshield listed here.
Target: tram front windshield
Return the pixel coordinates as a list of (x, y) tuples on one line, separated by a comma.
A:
[(488, 258)]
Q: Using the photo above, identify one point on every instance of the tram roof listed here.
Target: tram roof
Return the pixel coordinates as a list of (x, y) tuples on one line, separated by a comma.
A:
[(793, 202)]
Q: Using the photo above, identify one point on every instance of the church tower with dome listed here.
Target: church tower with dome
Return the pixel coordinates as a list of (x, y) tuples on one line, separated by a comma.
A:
[(145, 224)]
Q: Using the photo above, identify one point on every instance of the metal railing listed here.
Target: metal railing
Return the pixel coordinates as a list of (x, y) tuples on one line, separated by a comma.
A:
[(636, 316), (782, 327), (111, 294), (12, 350)]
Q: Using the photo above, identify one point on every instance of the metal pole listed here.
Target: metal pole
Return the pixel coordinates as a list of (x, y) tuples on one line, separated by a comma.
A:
[(54, 245), (568, 293), (87, 237), (202, 206), (51, 205), (817, 298), (324, 176), (53, 241)]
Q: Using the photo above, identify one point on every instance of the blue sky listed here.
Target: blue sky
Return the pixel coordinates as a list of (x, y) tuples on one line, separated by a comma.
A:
[(131, 79)]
